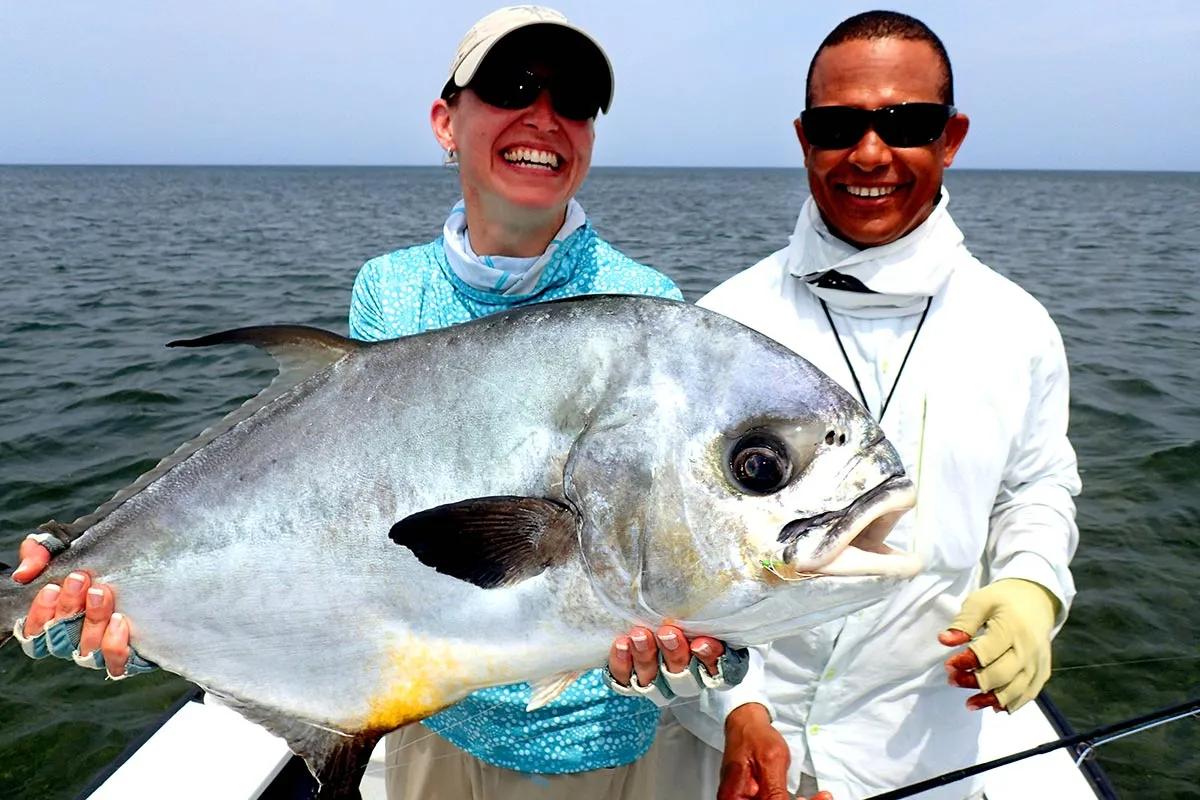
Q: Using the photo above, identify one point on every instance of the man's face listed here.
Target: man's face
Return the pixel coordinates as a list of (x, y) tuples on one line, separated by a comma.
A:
[(872, 74)]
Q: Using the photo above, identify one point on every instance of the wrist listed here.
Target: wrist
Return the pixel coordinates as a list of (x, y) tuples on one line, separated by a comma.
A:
[(747, 714), (1034, 589)]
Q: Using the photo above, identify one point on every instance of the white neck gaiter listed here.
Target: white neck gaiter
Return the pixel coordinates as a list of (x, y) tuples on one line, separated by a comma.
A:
[(506, 275), (899, 277)]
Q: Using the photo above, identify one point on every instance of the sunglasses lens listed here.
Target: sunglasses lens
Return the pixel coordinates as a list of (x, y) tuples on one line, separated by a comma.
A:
[(575, 103), (506, 88), (513, 89), (912, 124), (834, 127)]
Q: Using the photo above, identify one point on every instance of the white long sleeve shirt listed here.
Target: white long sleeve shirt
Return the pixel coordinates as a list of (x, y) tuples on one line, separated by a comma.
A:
[(982, 404)]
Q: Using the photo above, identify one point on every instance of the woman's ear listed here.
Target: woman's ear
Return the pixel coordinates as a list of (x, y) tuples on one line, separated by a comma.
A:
[(439, 120)]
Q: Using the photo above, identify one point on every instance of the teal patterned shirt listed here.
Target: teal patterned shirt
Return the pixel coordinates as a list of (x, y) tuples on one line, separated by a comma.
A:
[(588, 726)]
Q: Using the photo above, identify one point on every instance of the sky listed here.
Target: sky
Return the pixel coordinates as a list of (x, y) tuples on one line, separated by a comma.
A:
[(1054, 84)]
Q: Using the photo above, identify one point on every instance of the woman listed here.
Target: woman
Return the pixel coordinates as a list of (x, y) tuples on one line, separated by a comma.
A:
[(517, 115)]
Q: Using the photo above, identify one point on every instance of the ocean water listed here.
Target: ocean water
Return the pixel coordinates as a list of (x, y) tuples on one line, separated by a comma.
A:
[(99, 267)]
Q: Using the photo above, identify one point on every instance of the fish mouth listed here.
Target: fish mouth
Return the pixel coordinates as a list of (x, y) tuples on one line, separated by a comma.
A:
[(852, 541)]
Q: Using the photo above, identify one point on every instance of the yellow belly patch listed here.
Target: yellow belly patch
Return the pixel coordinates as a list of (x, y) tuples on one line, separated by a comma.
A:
[(423, 677)]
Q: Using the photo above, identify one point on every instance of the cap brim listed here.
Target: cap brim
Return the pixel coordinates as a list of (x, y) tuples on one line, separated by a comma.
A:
[(469, 65)]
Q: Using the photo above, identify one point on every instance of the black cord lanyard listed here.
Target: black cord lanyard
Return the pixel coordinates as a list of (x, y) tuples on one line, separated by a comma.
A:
[(854, 375)]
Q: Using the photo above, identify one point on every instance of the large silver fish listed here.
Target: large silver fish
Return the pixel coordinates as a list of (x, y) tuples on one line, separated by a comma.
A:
[(520, 489)]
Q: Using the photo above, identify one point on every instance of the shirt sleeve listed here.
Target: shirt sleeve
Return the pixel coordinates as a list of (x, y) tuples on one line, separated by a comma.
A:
[(366, 313), (652, 283), (719, 703), (667, 288), (1032, 532)]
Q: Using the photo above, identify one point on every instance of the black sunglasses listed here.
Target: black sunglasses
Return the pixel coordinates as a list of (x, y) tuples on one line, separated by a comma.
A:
[(903, 125), (513, 87)]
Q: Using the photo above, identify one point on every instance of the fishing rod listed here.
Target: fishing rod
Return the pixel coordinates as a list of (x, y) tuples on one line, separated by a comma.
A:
[(1092, 739)]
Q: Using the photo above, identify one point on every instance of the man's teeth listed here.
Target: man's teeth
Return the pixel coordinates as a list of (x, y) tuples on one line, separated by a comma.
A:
[(870, 191), (529, 156)]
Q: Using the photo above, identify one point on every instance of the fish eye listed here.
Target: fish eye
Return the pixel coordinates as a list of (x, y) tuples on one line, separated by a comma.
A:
[(759, 464)]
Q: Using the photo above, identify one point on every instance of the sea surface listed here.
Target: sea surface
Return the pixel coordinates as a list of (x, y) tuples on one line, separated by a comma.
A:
[(99, 267)]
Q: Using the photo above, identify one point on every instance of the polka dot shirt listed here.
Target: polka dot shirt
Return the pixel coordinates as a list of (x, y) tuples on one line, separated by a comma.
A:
[(588, 726)]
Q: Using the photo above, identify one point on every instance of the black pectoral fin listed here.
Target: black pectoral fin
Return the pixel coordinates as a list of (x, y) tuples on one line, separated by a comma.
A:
[(490, 541)]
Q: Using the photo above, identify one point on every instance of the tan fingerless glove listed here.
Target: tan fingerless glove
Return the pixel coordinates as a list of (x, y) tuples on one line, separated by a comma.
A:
[(1014, 651)]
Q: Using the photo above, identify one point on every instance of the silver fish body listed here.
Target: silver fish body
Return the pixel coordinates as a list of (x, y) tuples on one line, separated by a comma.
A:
[(391, 526)]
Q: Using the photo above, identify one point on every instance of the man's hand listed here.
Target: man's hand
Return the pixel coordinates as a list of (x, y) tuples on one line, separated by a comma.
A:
[(755, 763), (1011, 662)]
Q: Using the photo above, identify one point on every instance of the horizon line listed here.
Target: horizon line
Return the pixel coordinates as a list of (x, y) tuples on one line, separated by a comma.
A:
[(247, 165)]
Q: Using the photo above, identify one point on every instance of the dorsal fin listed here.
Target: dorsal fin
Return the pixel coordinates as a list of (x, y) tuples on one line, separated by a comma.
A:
[(300, 352)]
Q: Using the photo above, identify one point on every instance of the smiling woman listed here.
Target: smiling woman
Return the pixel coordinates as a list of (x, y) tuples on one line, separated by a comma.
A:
[(517, 114), (520, 125)]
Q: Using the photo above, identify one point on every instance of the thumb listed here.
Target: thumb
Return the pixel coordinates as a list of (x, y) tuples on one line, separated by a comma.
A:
[(976, 610), (34, 559), (954, 638), (737, 782)]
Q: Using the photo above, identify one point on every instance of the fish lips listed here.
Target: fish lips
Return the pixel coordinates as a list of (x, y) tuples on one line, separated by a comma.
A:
[(852, 538)]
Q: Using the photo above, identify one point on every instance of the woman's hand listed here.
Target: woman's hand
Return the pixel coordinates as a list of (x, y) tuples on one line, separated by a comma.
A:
[(102, 628), (637, 654), (34, 559)]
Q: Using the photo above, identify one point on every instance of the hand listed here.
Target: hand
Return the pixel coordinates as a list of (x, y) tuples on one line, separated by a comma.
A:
[(637, 653), (1011, 662), (102, 629), (755, 762), (34, 559)]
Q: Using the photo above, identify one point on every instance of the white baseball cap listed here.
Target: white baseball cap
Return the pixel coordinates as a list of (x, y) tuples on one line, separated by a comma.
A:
[(487, 33)]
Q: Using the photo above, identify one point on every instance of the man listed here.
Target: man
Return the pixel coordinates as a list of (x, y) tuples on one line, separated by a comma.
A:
[(967, 375)]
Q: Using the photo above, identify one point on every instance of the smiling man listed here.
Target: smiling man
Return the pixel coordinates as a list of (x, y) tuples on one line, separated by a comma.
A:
[(966, 373)]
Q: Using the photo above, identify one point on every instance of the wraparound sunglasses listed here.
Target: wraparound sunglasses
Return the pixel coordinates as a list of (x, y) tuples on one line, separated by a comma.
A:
[(517, 87), (902, 125)]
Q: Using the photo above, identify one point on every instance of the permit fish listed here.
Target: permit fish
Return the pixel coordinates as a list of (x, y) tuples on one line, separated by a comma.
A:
[(390, 526)]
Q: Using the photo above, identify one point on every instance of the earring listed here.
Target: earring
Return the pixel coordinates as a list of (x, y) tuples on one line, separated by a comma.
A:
[(451, 158)]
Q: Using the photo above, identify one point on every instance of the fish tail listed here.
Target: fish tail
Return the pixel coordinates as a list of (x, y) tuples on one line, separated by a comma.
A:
[(14, 600)]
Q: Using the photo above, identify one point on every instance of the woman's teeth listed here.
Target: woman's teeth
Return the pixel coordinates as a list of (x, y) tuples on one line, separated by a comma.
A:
[(870, 191), (530, 157)]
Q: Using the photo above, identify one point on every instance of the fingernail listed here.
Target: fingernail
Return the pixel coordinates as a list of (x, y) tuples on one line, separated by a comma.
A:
[(74, 582), (50, 590), (118, 618), (639, 642), (669, 641), (622, 647), (702, 649), (94, 597)]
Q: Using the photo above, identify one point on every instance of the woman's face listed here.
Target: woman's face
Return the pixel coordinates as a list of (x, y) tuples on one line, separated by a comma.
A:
[(529, 158)]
